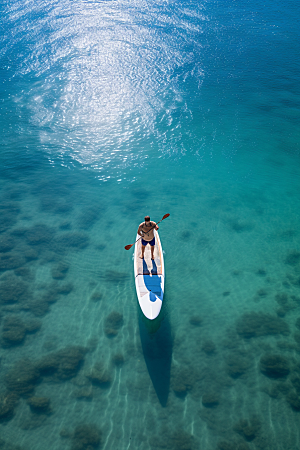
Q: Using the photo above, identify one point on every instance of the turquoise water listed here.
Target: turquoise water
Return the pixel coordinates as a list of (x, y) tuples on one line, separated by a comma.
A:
[(111, 111)]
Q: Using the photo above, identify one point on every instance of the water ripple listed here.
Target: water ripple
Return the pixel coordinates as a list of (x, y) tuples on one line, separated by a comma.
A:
[(109, 76)]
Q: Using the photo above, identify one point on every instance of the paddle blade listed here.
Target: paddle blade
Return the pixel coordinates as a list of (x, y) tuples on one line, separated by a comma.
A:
[(127, 247), (165, 216)]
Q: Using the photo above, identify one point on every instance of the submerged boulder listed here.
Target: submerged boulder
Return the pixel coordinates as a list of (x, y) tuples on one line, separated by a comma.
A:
[(8, 401), (118, 359), (182, 381), (292, 258), (99, 375), (22, 378), (112, 324), (7, 243), (39, 404), (11, 261), (39, 234), (13, 331), (294, 400), (13, 290), (248, 429), (38, 307), (59, 272), (208, 347), (210, 399), (196, 321), (64, 364), (86, 437), (237, 365), (255, 324), (274, 366)]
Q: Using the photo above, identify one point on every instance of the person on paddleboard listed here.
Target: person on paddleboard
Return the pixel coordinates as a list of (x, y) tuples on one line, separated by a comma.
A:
[(146, 230)]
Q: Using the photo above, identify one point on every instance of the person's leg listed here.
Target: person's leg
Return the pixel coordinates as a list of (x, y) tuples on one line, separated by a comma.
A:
[(152, 251), (143, 251)]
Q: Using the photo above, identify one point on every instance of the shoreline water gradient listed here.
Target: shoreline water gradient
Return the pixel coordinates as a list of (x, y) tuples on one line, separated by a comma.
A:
[(114, 110)]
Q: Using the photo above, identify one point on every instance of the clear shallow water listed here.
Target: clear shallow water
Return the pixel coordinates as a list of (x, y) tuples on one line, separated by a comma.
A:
[(114, 110)]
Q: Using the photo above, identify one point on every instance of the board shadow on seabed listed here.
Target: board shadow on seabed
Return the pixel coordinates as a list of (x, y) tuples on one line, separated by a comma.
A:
[(157, 345)]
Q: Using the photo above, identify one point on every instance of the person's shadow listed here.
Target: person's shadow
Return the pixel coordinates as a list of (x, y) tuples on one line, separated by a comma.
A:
[(146, 270), (157, 345)]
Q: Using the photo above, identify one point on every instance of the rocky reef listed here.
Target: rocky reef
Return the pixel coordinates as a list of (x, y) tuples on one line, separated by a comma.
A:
[(84, 437), (14, 330), (99, 375), (210, 399), (274, 366), (8, 402), (22, 378), (248, 428), (39, 404), (63, 364), (112, 324), (256, 324)]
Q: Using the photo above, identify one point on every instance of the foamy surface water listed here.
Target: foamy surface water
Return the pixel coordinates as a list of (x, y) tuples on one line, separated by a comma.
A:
[(111, 111)]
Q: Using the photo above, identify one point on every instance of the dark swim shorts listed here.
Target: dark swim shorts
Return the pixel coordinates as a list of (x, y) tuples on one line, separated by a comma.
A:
[(152, 243)]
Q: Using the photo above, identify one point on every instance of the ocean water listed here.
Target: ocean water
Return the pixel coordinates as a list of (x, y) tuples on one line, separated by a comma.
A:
[(113, 110)]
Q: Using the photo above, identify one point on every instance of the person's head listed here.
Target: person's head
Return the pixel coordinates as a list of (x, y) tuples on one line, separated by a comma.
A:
[(147, 219)]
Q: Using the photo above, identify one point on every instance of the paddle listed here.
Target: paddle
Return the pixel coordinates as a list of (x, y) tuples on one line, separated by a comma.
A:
[(127, 247)]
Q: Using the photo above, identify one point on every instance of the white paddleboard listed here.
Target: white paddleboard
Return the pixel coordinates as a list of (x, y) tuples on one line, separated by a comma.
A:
[(149, 278)]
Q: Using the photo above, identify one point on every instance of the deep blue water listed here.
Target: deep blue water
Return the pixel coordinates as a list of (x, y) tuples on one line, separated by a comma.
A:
[(113, 110)]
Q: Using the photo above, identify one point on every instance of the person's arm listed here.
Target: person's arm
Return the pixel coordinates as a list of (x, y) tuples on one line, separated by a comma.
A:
[(156, 226), (139, 232)]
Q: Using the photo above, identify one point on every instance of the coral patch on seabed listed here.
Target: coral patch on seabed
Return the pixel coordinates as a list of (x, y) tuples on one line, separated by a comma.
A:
[(210, 399), (96, 296), (39, 404), (8, 402), (22, 378), (208, 347), (72, 241), (118, 359), (13, 290), (84, 437), (292, 258), (274, 366), (99, 375), (63, 364), (112, 324), (14, 330), (85, 393), (237, 365), (255, 324), (88, 217), (39, 234), (7, 243), (248, 429), (9, 212), (59, 272), (38, 307), (182, 381), (196, 321), (11, 261), (294, 400)]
